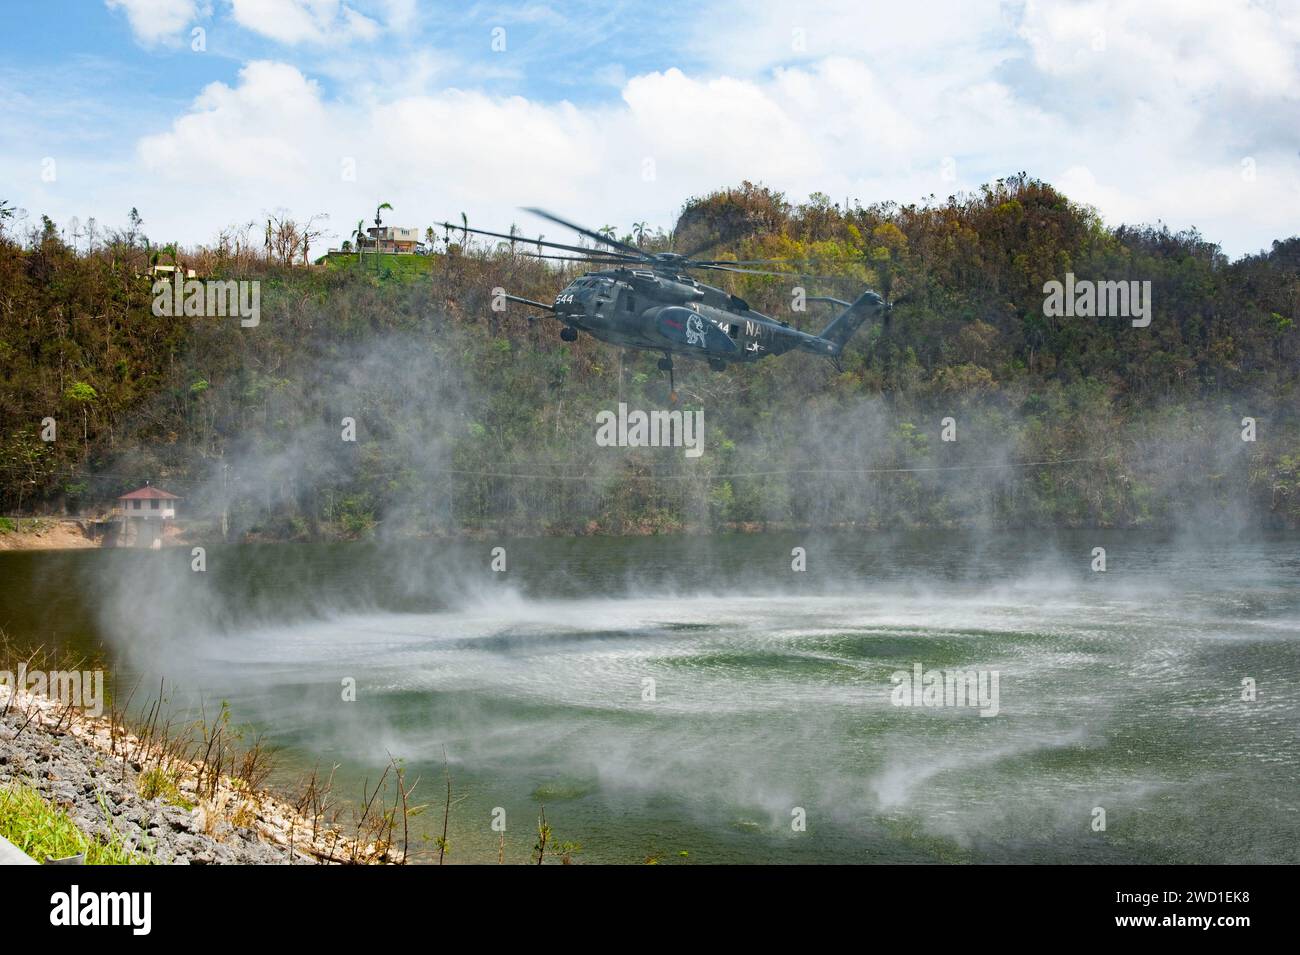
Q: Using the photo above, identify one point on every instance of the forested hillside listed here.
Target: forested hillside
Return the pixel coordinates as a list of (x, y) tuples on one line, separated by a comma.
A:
[(469, 420)]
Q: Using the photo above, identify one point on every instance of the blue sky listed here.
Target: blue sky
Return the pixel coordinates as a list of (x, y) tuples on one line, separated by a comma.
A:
[(1182, 111)]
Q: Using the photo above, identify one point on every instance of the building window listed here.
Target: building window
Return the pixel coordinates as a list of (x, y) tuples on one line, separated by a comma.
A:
[(136, 504), (153, 504)]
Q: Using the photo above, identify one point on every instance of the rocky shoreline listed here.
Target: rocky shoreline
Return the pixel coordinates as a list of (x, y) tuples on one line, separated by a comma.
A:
[(91, 769)]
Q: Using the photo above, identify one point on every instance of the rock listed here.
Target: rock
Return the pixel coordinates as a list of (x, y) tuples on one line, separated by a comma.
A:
[(81, 775)]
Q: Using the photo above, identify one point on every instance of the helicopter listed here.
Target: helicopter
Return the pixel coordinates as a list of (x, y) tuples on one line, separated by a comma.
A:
[(648, 300)]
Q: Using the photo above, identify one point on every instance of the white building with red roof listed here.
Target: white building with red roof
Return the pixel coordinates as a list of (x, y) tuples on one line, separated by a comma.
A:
[(143, 513), (148, 502)]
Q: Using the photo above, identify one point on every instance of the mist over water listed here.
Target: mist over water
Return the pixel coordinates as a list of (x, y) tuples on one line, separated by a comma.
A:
[(1119, 690)]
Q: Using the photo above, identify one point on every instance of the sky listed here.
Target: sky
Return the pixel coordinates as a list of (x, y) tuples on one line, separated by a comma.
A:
[(205, 114)]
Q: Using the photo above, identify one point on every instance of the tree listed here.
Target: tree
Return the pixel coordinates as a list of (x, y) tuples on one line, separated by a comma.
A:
[(359, 233), (82, 394), (311, 232), (287, 240), (379, 222), (170, 250), (133, 232)]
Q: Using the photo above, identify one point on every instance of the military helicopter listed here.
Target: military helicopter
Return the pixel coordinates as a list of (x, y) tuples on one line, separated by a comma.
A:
[(641, 299)]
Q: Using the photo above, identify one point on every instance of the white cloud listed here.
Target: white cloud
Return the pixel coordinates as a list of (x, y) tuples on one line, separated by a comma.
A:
[(263, 134), (1169, 49), (1146, 125), (310, 21), (156, 21)]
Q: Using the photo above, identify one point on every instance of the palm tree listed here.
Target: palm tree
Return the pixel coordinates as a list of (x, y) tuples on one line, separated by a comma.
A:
[(359, 235), (378, 222), (638, 230)]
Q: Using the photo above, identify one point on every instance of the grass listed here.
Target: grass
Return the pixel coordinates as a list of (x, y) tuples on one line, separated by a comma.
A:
[(396, 266), (27, 525), (157, 782), (45, 832)]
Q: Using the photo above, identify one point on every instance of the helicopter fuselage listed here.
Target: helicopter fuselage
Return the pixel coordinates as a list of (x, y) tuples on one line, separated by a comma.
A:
[(672, 313)]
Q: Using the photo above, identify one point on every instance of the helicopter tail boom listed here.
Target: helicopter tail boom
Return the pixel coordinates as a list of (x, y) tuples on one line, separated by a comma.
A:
[(841, 329)]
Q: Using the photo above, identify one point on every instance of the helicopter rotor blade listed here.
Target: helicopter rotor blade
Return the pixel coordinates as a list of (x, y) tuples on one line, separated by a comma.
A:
[(590, 234), (705, 246), (524, 240), (798, 275), (789, 262), (575, 258), (529, 302)]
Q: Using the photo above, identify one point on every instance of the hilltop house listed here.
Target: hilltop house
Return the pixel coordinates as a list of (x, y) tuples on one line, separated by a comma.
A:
[(393, 239), (144, 513), (170, 272)]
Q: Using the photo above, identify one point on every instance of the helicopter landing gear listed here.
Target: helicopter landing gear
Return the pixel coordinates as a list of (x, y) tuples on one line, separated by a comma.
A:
[(666, 364), (717, 364), (568, 334)]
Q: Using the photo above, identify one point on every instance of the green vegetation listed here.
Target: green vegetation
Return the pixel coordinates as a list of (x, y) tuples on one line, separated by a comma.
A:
[(470, 420), (157, 782), (24, 525), (384, 264), (45, 832)]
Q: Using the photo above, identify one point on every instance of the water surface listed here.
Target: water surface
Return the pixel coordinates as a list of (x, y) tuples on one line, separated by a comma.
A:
[(771, 694)]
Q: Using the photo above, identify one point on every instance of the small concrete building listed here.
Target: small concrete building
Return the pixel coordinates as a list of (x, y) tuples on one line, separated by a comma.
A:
[(144, 514), (392, 239)]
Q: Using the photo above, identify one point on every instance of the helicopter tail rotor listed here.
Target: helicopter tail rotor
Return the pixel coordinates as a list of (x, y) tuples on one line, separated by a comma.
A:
[(837, 334)]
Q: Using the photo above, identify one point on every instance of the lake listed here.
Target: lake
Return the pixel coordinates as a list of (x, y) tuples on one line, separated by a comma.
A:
[(696, 700)]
